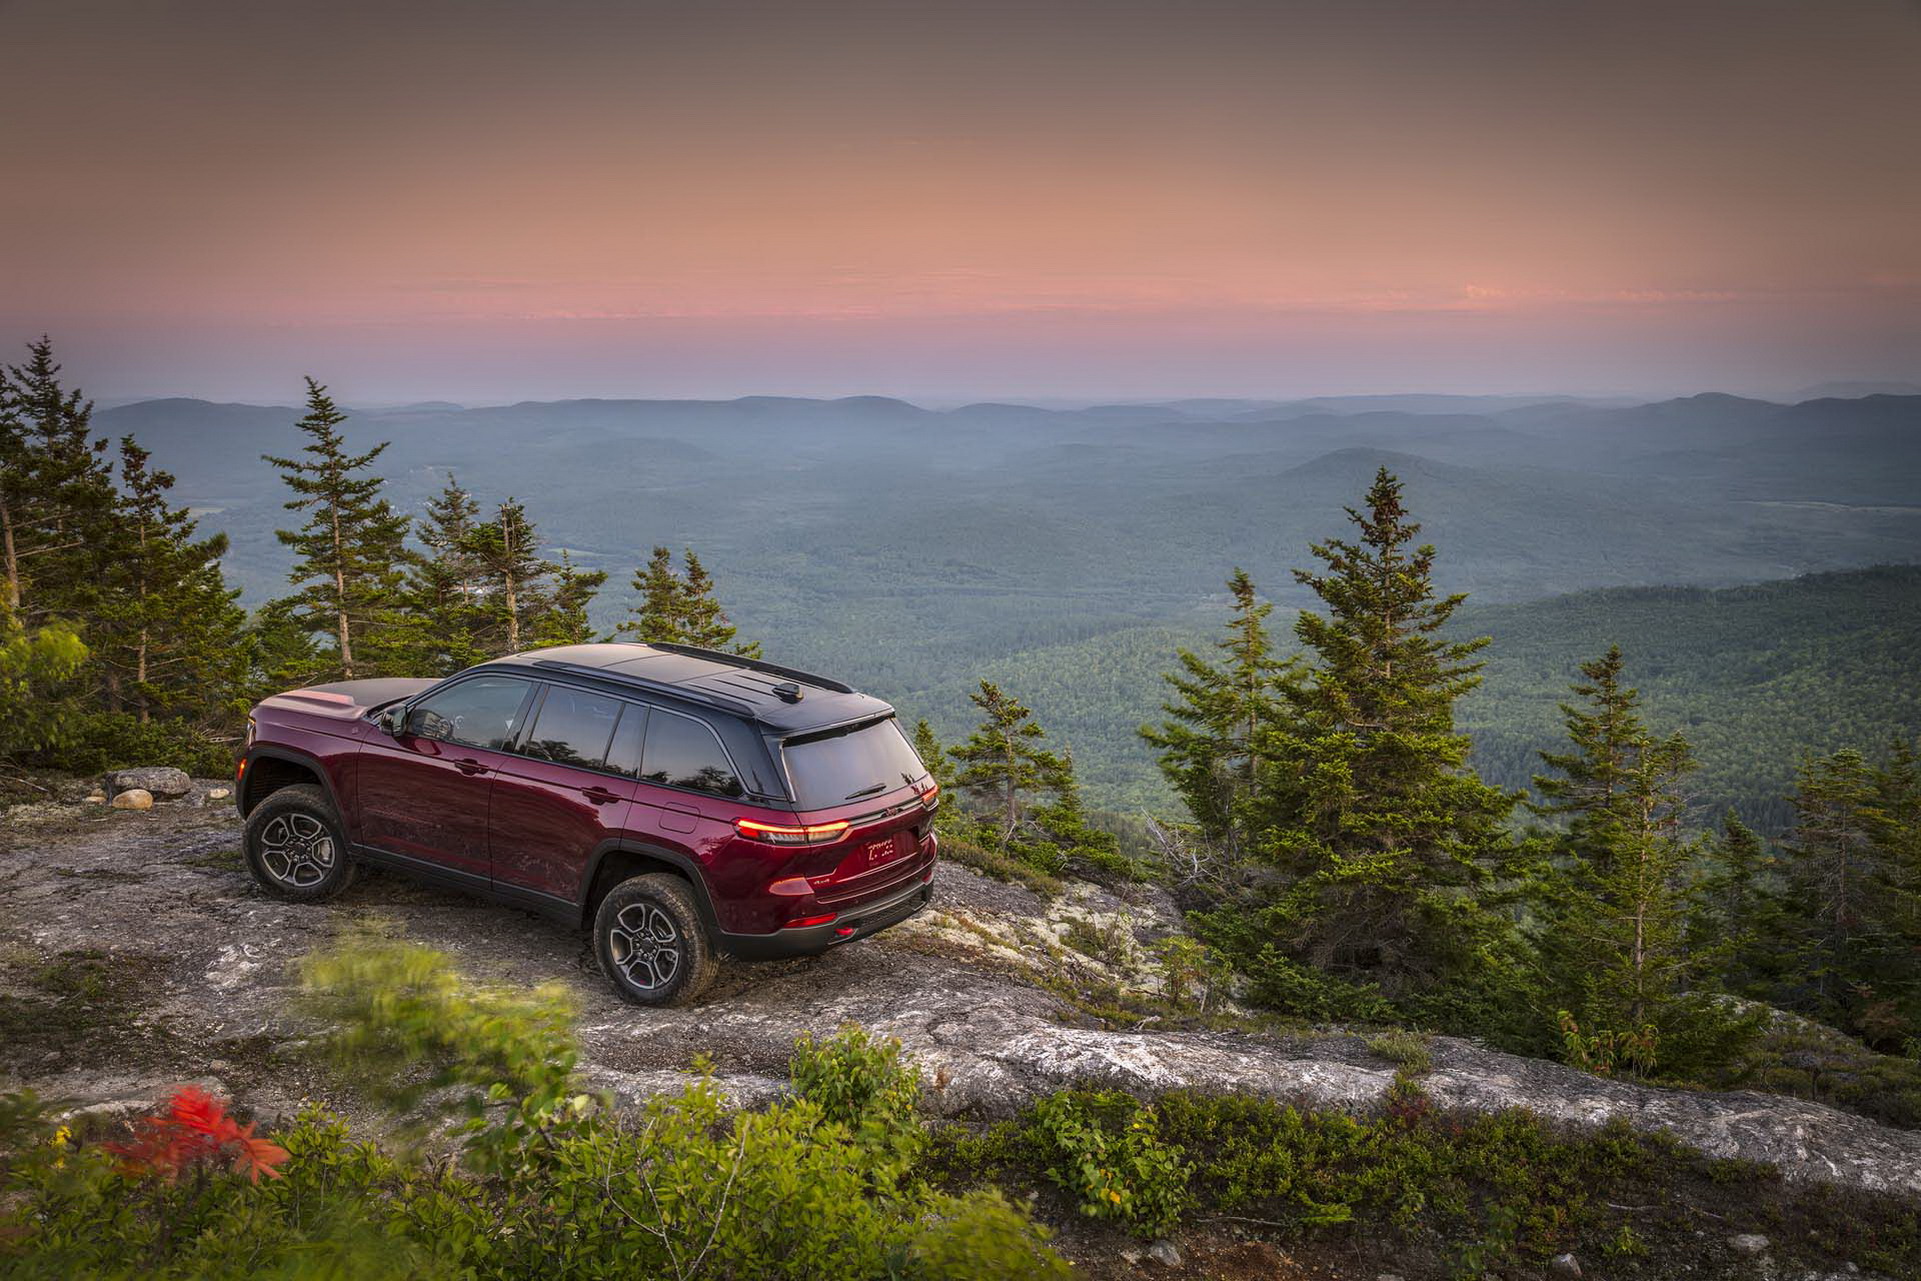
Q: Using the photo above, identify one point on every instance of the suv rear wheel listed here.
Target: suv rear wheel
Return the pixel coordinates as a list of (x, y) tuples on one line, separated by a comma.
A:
[(295, 848), (650, 941)]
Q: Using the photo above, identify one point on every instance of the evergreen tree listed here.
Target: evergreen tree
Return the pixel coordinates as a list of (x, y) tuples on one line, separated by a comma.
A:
[(1589, 788), (701, 618), (444, 589), (1738, 921), (928, 747), (510, 571), (680, 609), (658, 615), (1383, 837), (1616, 915), (1208, 743), (351, 553), (563, 616), (1852, 869), (56, 495), (1002, 762), (280, 652), (164, 635)]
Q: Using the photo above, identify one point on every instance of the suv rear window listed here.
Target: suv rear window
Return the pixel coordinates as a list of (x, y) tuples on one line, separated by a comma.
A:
[(866, 761)]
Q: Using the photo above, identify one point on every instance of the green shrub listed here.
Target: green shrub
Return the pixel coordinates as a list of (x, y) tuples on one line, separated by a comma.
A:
[(95, 742), (685, 1188), (1104, 1151), (863, 1083), (402, 1023)]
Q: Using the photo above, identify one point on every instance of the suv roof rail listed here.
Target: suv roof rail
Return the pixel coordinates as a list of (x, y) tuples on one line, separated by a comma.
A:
[(606, 677), (755, 664)]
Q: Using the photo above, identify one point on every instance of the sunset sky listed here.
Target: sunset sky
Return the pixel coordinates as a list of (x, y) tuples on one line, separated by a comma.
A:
[(493, 201)]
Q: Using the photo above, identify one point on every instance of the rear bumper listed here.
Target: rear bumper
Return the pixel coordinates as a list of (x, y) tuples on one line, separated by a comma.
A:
[(811, 940)]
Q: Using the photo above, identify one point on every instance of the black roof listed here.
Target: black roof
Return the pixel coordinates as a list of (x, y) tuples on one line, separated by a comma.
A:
[(782, 698)]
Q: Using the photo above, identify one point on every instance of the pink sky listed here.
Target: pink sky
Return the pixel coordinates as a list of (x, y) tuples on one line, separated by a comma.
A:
[(494, 201)]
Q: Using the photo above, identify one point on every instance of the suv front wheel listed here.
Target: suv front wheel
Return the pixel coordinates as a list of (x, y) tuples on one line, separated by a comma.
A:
[(650, 941), (295, 848)]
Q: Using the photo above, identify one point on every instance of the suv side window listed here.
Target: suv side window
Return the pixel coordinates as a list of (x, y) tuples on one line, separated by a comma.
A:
[(623, 755), (482, 712), (683, 752), (573, 727)]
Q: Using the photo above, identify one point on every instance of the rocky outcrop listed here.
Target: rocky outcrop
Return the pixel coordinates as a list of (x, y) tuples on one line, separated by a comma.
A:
[(212, 963)]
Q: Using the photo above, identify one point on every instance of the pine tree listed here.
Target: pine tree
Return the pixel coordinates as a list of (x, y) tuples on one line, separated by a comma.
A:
[(701, 619), (658, 615), (1208, 743), (56, 495), (680, 608), (1617, 915), (511, 572), (928, 747), (1002, 762), (351, 553), (1852, 868), (1738, 922), (1383, 837), (563, 615), (1589, 788), (444, 607), (164, 635)]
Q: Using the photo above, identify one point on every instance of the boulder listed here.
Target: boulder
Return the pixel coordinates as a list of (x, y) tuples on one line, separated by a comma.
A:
[(134, 798), (163, 782)]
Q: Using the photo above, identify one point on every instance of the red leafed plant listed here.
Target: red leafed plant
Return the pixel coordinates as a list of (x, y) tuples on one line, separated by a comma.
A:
[(195, 1132)]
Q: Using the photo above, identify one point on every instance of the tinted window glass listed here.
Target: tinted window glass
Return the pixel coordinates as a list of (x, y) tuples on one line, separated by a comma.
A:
[(624, 756), (572, 727), (868, 761), (682, 752), (481, 712)]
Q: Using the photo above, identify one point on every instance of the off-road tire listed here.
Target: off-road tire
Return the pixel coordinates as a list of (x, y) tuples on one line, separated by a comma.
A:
[(296, 848), (641, 923)]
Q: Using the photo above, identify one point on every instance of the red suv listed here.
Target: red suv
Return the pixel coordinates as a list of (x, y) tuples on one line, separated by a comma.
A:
[(683, 803)]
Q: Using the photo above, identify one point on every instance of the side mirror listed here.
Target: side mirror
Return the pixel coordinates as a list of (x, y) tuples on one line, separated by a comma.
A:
[(393, 720)]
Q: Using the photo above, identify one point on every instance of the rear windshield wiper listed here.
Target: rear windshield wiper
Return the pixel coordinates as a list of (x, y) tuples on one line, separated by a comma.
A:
[(865, 791)]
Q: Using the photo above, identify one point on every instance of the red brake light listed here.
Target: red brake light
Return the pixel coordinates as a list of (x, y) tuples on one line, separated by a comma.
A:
[(931, 797), (774, 834)]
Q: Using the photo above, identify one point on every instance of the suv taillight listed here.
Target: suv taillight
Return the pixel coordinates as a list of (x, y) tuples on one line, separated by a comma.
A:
[(774, 834)]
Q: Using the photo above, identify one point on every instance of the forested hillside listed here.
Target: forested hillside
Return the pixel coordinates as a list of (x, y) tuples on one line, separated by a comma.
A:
[(1756, 676)]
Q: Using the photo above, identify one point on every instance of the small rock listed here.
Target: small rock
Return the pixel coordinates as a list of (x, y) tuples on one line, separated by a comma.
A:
[(134, 798), (95, 799), (162, 781), (1750, 1243), (1165, 1253), (219, 793), (1564, 1265)]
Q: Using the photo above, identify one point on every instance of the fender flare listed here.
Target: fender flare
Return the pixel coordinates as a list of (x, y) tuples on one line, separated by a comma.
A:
[(687, 867), (293, 756)]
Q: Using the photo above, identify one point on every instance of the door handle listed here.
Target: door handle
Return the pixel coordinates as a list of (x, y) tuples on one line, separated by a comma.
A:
[(599, 795), (470, 767)]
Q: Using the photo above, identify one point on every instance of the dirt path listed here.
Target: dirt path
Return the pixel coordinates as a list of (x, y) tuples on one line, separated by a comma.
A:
[(135, 953)]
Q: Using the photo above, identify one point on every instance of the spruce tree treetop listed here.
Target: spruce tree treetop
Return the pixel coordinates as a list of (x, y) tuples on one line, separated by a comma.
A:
[(1384, 838), (702, 621), (1208, 743), (1002, 762), (1589, 785), (351, 552), (163, 637), (56, 494), (658, 615)]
